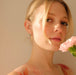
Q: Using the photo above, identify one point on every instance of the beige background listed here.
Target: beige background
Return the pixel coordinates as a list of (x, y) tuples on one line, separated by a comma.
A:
[(15, 50)]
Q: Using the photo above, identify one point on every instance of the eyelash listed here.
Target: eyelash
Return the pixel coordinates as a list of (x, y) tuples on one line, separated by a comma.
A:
[(48, 19), (63, 23)]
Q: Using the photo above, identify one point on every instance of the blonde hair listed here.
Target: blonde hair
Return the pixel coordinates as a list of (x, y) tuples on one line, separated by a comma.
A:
[(36, 3)]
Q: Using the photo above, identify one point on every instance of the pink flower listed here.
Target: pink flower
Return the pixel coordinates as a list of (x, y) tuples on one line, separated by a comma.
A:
[(68, 43)]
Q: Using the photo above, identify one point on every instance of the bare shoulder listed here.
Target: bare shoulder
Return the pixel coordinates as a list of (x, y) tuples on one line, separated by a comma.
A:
[(66, 69), (13, 73), (21, 70)]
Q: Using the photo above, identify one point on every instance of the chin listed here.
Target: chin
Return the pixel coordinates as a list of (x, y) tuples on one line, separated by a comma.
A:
[(55, 48), (52, 48)]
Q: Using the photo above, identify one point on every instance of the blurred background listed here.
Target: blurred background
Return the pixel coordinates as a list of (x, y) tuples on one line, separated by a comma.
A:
[(15, 48)]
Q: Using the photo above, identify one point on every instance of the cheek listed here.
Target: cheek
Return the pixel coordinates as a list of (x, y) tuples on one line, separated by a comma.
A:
[(64, 34), (65, 31), (37, 25), (37, 30), (48, 30)]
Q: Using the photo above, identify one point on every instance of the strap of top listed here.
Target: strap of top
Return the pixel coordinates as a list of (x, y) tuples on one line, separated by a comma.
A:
[(25, 72), (64, 68)]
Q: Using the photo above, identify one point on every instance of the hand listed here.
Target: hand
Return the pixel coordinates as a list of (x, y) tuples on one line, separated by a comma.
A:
[(69, 43)]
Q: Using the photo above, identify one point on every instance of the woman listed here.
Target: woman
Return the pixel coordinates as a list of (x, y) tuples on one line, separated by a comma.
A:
[(48, 23)]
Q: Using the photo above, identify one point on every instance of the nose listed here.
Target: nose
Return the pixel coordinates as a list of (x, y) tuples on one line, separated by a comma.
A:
[(58, 28)]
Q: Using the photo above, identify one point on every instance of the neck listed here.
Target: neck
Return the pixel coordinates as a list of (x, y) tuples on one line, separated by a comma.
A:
[(41, 58)]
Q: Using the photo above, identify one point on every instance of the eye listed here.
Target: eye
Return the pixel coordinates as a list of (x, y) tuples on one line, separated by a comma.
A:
[(64, 23), (49, 20)]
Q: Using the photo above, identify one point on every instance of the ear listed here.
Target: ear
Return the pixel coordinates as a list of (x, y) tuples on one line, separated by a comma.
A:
[(28, 26)]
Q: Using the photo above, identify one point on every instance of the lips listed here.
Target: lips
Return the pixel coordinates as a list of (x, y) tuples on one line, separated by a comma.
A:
[(55, 39)]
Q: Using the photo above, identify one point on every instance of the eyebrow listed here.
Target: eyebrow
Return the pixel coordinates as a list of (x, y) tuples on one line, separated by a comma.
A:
[(51, 14), (55, 15)]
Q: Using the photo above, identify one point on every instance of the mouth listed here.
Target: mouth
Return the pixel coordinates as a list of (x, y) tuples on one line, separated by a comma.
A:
[(56, 39)]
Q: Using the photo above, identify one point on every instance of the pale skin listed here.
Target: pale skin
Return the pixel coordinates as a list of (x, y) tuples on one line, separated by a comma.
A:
[(42, 51)]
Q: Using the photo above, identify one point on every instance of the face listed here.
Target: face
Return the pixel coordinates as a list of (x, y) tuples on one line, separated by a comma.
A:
[(55, 29)]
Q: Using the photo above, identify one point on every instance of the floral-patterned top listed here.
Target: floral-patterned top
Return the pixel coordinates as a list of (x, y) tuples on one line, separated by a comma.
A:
[(25, 70)]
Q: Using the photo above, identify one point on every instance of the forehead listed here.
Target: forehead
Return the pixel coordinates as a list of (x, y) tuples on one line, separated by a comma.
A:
[(58, 9), (55, 8), (40, 10)]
